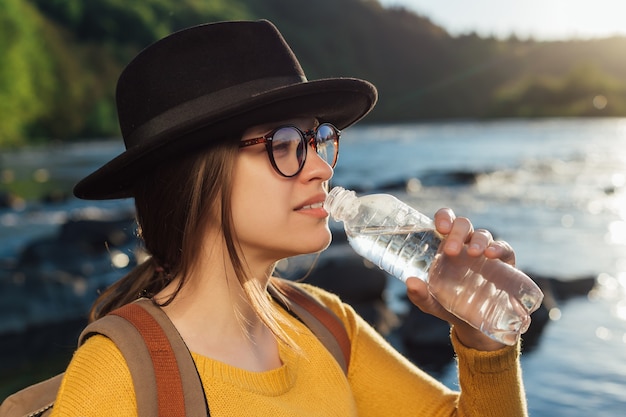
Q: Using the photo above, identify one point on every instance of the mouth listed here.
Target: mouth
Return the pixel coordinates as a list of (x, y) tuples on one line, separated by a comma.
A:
[(312, 206), (315, 204)]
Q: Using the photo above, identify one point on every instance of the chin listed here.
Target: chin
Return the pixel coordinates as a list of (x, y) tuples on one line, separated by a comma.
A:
[(327, 244), (313, 245), (325, 241)]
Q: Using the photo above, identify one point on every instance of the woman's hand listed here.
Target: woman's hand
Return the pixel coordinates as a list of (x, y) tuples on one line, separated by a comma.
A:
[(459, 231)]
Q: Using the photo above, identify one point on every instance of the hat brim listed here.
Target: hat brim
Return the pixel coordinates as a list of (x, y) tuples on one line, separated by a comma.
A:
[(340, 101)]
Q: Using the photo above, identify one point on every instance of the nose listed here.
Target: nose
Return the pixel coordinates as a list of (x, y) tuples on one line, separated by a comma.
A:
[(315, 167)]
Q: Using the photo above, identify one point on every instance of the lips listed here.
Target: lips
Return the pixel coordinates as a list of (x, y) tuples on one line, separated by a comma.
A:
[(313, 203)]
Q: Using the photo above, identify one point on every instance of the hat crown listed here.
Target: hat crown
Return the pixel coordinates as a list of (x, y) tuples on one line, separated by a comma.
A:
[(209, 83), (240, 59)]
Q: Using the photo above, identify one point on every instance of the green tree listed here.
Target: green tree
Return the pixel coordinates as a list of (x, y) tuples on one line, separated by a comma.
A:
[(585, 90), (61, 60), (26, 80)]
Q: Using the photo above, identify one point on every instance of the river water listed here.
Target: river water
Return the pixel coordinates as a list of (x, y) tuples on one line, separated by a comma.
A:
[(555, 189)]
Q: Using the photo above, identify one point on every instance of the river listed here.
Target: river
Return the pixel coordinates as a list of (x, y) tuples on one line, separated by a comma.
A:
[(555, 189)]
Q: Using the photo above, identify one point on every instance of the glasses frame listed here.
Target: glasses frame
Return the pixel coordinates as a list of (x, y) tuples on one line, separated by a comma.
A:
[(307, 138)]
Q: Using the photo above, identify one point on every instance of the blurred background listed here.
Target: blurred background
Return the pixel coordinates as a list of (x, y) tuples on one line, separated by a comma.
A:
[(512, 113)]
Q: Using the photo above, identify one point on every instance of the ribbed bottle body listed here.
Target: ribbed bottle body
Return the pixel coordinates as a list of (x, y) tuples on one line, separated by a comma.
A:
[(491, 295)]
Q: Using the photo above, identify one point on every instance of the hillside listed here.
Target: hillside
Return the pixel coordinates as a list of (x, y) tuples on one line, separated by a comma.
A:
[(62, 59)]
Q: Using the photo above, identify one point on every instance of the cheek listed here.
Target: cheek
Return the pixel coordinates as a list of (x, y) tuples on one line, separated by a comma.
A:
[(256, 195)]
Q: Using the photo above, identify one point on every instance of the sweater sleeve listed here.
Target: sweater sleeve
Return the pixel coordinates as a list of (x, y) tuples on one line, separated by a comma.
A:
[(383, 381), (97, 383)]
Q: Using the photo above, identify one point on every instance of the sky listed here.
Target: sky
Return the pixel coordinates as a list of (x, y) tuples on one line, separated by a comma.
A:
[(541, 19)]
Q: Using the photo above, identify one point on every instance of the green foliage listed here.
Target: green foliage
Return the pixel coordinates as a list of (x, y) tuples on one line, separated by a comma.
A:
[(26, 79), (61, 60), (400, 52), (138, 22), (584, 91)]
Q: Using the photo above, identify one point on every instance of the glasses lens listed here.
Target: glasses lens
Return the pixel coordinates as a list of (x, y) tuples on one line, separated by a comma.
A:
[(288, 150), (327, 143)]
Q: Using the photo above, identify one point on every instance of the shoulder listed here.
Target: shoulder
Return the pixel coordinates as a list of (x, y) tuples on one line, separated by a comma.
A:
[(333, 302), (99, 355), (96, 382), (324, 296)]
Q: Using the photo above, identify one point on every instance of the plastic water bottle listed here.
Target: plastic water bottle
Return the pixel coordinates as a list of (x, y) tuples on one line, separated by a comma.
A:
[(489, 294)]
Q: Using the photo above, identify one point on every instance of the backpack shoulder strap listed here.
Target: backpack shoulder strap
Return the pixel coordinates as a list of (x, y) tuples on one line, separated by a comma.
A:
[(323, 322), (33, 401), (164, 374)]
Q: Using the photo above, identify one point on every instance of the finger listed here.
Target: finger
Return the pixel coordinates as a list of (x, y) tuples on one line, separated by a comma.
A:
[(460, 233), (479, 242), (500, 249), (417, 290), (418, 294), (443, 220)]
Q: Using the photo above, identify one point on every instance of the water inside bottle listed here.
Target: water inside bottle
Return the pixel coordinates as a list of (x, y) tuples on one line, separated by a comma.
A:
[(489, 305), (400, 251)]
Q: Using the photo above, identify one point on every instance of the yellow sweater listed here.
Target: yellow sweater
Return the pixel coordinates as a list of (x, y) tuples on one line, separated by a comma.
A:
[(380, 381)]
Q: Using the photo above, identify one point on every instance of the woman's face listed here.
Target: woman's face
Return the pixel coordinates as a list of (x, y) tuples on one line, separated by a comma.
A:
[(274, 216)]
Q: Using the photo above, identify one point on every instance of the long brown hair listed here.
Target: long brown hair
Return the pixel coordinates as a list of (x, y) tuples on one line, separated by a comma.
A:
[(174, 204)]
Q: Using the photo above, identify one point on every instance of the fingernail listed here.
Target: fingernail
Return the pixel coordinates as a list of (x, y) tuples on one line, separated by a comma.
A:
[(491, 249), (444, 224)]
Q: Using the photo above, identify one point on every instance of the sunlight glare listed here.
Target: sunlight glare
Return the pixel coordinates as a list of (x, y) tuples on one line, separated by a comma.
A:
[(609, 287), (621, 278), (620, 310), (618, 179), (600, 102), (119, 259), (594, 206), (543, 20), (554, 314), (617, 233), (603, 333)]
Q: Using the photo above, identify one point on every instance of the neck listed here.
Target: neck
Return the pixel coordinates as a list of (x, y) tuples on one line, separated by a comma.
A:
[(215, 319)]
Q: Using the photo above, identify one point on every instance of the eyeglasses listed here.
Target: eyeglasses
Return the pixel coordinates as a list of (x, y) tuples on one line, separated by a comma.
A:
[(287, 146)]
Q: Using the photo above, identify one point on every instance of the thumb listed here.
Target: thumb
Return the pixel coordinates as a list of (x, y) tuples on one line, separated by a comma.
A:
[(417, 291)]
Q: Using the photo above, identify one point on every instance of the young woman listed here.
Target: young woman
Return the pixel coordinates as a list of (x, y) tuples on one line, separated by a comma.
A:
[(229, 151)]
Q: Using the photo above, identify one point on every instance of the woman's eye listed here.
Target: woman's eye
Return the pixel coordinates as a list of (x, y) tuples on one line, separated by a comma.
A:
[(282, 148)]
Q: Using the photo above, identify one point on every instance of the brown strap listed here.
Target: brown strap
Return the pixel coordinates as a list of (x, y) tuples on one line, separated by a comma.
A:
[(320, 319), (195, 400), (170, 395), (124, 330), (130, 342)]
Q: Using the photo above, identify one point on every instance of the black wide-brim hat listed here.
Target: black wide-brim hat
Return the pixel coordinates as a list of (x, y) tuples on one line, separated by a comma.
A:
[(212, 82)]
